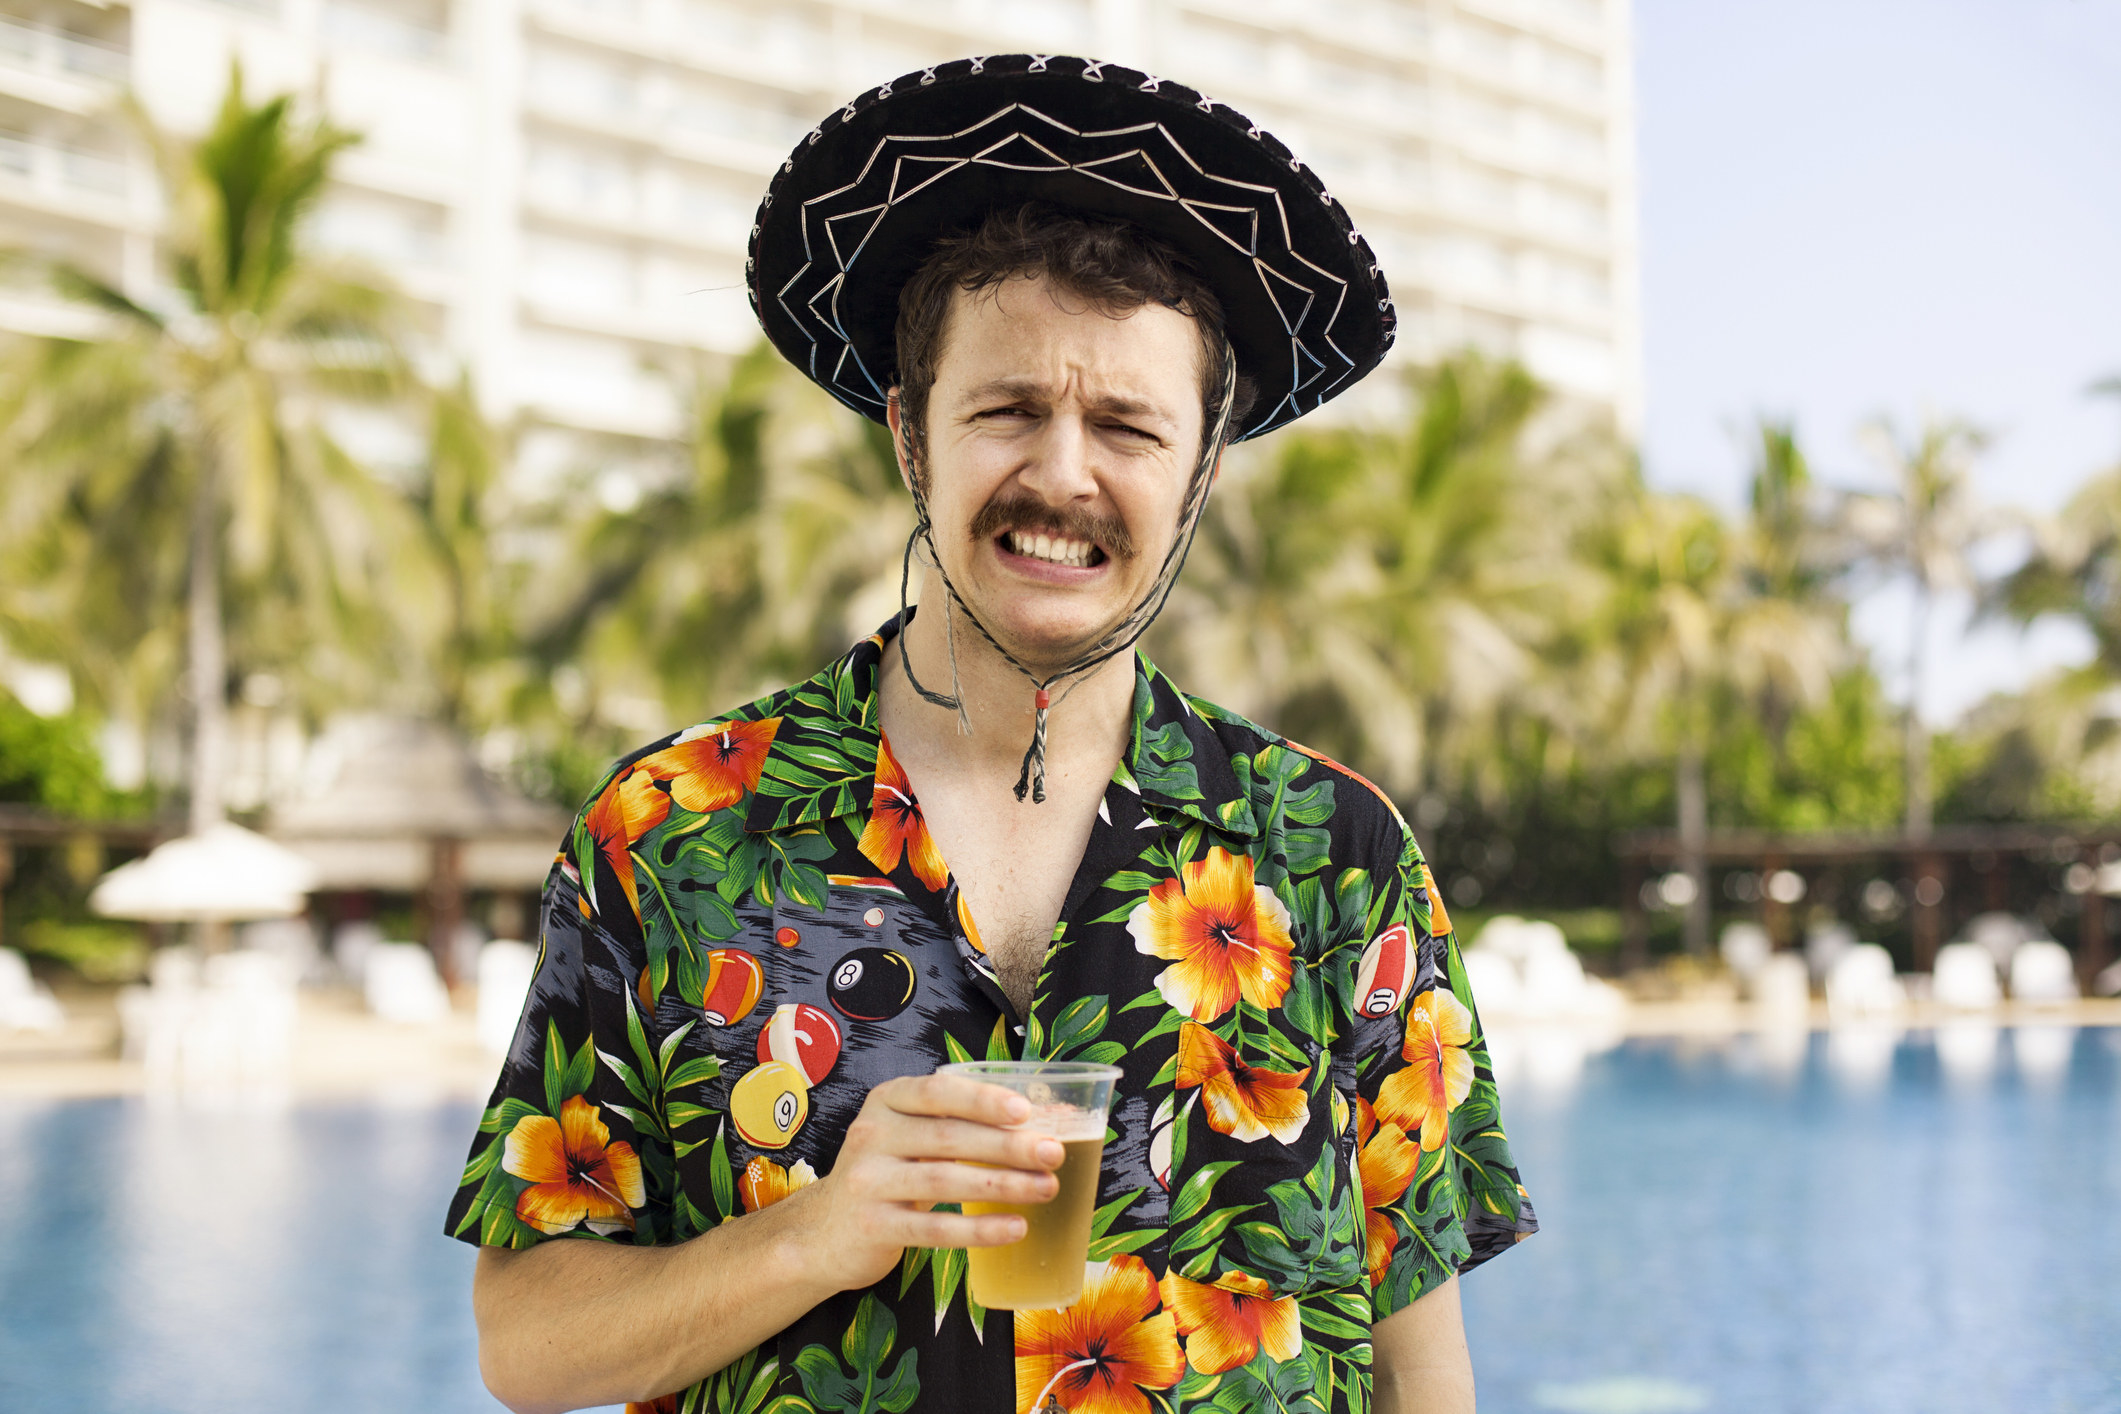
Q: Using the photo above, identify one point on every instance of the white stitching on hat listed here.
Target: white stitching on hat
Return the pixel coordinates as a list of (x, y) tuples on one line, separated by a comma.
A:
[(885, 91), (1038, 63), (1152, 85), (927, 77), (979, 63), (1093, 70)]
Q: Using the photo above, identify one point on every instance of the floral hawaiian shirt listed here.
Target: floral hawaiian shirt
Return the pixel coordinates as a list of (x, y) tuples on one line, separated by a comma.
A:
[(750, 926)]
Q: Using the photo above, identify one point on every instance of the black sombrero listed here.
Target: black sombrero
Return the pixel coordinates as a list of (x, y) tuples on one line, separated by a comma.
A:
[(856, 208)]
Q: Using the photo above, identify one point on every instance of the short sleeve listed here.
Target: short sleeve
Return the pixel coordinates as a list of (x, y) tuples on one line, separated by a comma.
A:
[(573, 1142), (1440, 1188)]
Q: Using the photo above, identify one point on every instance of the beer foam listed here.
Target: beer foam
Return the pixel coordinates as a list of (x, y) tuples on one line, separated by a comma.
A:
[(1067, 1123)]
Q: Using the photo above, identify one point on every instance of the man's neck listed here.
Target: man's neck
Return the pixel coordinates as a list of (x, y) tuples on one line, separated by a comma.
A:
[(1089, 732)]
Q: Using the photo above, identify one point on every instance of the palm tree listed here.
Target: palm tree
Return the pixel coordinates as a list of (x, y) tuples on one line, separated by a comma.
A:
[(1923, 529), (1686, 629), (776, 544), (179, 457), (1385, 595), (467, 643)]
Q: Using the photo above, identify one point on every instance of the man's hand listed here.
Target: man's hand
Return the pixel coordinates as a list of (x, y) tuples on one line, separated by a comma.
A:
[(1419, 1363), (569, 1324), (920, 1141)]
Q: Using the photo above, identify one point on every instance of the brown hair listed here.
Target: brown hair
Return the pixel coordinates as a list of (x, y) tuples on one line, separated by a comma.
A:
[(1115, 266)]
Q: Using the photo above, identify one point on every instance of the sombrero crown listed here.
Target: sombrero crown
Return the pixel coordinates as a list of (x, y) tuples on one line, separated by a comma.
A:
[(857, 207)]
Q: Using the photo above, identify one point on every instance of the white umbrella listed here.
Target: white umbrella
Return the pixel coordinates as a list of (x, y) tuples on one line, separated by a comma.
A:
[(224, 872)]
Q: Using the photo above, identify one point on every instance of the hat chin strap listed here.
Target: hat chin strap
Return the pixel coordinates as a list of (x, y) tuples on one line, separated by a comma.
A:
[(1031, 779)]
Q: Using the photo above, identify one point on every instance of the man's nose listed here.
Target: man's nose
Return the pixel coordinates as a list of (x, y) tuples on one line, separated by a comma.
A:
[(1060, 467)]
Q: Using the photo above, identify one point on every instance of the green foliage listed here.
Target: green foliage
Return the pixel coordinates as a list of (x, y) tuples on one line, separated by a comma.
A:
[(1834, 766), (52, 762), (96, 952)]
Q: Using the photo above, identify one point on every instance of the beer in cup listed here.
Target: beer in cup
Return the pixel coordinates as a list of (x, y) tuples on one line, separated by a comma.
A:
[(1044, 1269)]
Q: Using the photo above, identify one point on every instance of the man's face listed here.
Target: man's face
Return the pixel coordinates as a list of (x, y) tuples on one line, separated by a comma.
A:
[(1060, 440)]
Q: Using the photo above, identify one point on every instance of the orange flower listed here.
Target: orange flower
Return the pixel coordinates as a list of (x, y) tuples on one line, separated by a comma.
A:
[(1227, 935), (897, 827), (1117, 1325), (1387, 1163), (576, 1173), (661, 1404), (1241, 1101), (710, 768), (629, 808), (1229, 1323), (1439, 1075), (1439, 920), (765, 1182)]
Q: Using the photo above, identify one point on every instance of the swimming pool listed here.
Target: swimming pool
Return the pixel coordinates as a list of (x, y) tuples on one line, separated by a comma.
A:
[(1850, 1223)]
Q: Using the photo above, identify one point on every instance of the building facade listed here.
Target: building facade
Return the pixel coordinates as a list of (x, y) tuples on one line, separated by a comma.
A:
[(565, 187)]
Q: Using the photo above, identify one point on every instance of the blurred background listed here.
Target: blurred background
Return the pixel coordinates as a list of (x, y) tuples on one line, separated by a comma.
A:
[(1721, 575)]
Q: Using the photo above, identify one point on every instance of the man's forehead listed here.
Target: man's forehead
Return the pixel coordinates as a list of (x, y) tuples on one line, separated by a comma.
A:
[(1029, 336), (1017, 388)]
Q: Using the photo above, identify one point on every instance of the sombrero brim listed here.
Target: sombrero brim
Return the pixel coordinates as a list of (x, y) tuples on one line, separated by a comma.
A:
[(856, 208)]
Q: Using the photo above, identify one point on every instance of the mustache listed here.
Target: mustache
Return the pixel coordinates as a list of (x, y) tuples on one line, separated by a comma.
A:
[(1025, 514)]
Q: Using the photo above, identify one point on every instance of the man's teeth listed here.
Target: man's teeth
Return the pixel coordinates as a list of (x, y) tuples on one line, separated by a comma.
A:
[(1052, 548)]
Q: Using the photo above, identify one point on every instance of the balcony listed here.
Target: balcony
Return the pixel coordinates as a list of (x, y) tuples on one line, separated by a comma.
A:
[(53, 69), (63, 181)]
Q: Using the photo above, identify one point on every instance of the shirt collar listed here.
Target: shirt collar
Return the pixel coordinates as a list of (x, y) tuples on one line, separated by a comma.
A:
[(822, 763)]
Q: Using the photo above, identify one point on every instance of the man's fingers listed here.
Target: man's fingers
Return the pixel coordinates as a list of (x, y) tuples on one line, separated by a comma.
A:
[(968, 1183), (959, 1230), (954, 1096), (922, 1138)]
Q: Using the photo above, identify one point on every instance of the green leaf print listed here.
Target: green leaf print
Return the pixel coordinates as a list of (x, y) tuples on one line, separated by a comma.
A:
[(1080, 1022), (865, 1347), (1192, 1197), (555, 1070)]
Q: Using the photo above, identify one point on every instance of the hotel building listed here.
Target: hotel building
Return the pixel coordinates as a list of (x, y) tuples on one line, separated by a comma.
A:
[(565, 187)]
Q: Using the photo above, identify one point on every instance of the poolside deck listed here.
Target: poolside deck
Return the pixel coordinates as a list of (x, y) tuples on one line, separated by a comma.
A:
[(340, 1051), (343, 1052)]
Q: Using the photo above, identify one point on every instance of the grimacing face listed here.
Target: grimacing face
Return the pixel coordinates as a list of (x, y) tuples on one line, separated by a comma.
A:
[(1059, 443)]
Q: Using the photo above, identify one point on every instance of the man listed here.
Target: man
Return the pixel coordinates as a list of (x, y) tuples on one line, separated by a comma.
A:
[(767, 931)]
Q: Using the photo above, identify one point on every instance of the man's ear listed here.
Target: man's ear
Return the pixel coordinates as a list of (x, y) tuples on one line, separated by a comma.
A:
[(895, 419)]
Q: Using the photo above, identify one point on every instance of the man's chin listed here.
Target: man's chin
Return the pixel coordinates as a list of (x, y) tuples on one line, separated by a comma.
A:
[(1046, 643)]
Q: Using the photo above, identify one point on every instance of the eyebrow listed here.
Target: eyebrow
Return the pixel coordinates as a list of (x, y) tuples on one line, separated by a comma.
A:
[(1030, 390)]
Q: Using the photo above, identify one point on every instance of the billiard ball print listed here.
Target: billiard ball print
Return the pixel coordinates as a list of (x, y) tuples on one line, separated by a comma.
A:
[(769, 1104), (734, 981), (803, 1036), (871, 984), (1386, 972)]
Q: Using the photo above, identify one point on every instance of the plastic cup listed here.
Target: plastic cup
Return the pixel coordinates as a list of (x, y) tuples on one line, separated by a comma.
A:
[(1044, 1269)]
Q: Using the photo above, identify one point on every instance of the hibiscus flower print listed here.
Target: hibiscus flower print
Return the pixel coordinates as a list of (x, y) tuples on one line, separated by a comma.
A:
[(631, 806), (1241, 1100), (577, 1173), (765, 1182), (896, 827), (1226, 936), (1226, 1325), (1387, 1162), (1439, 1073), (1131, 1346), (711, 768)]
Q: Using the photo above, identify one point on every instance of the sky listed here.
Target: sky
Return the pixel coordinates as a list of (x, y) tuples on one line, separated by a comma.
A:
[(1855, 208)]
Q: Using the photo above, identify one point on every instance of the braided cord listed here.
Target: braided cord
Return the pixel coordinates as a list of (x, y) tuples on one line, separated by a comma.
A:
[(1031, 779)]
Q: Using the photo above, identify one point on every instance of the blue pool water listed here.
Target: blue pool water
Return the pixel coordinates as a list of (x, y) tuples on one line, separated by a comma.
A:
[(1841, 1225)]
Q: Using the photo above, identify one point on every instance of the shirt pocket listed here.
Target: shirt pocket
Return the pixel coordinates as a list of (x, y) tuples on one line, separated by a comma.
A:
[(1263, 1182)]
